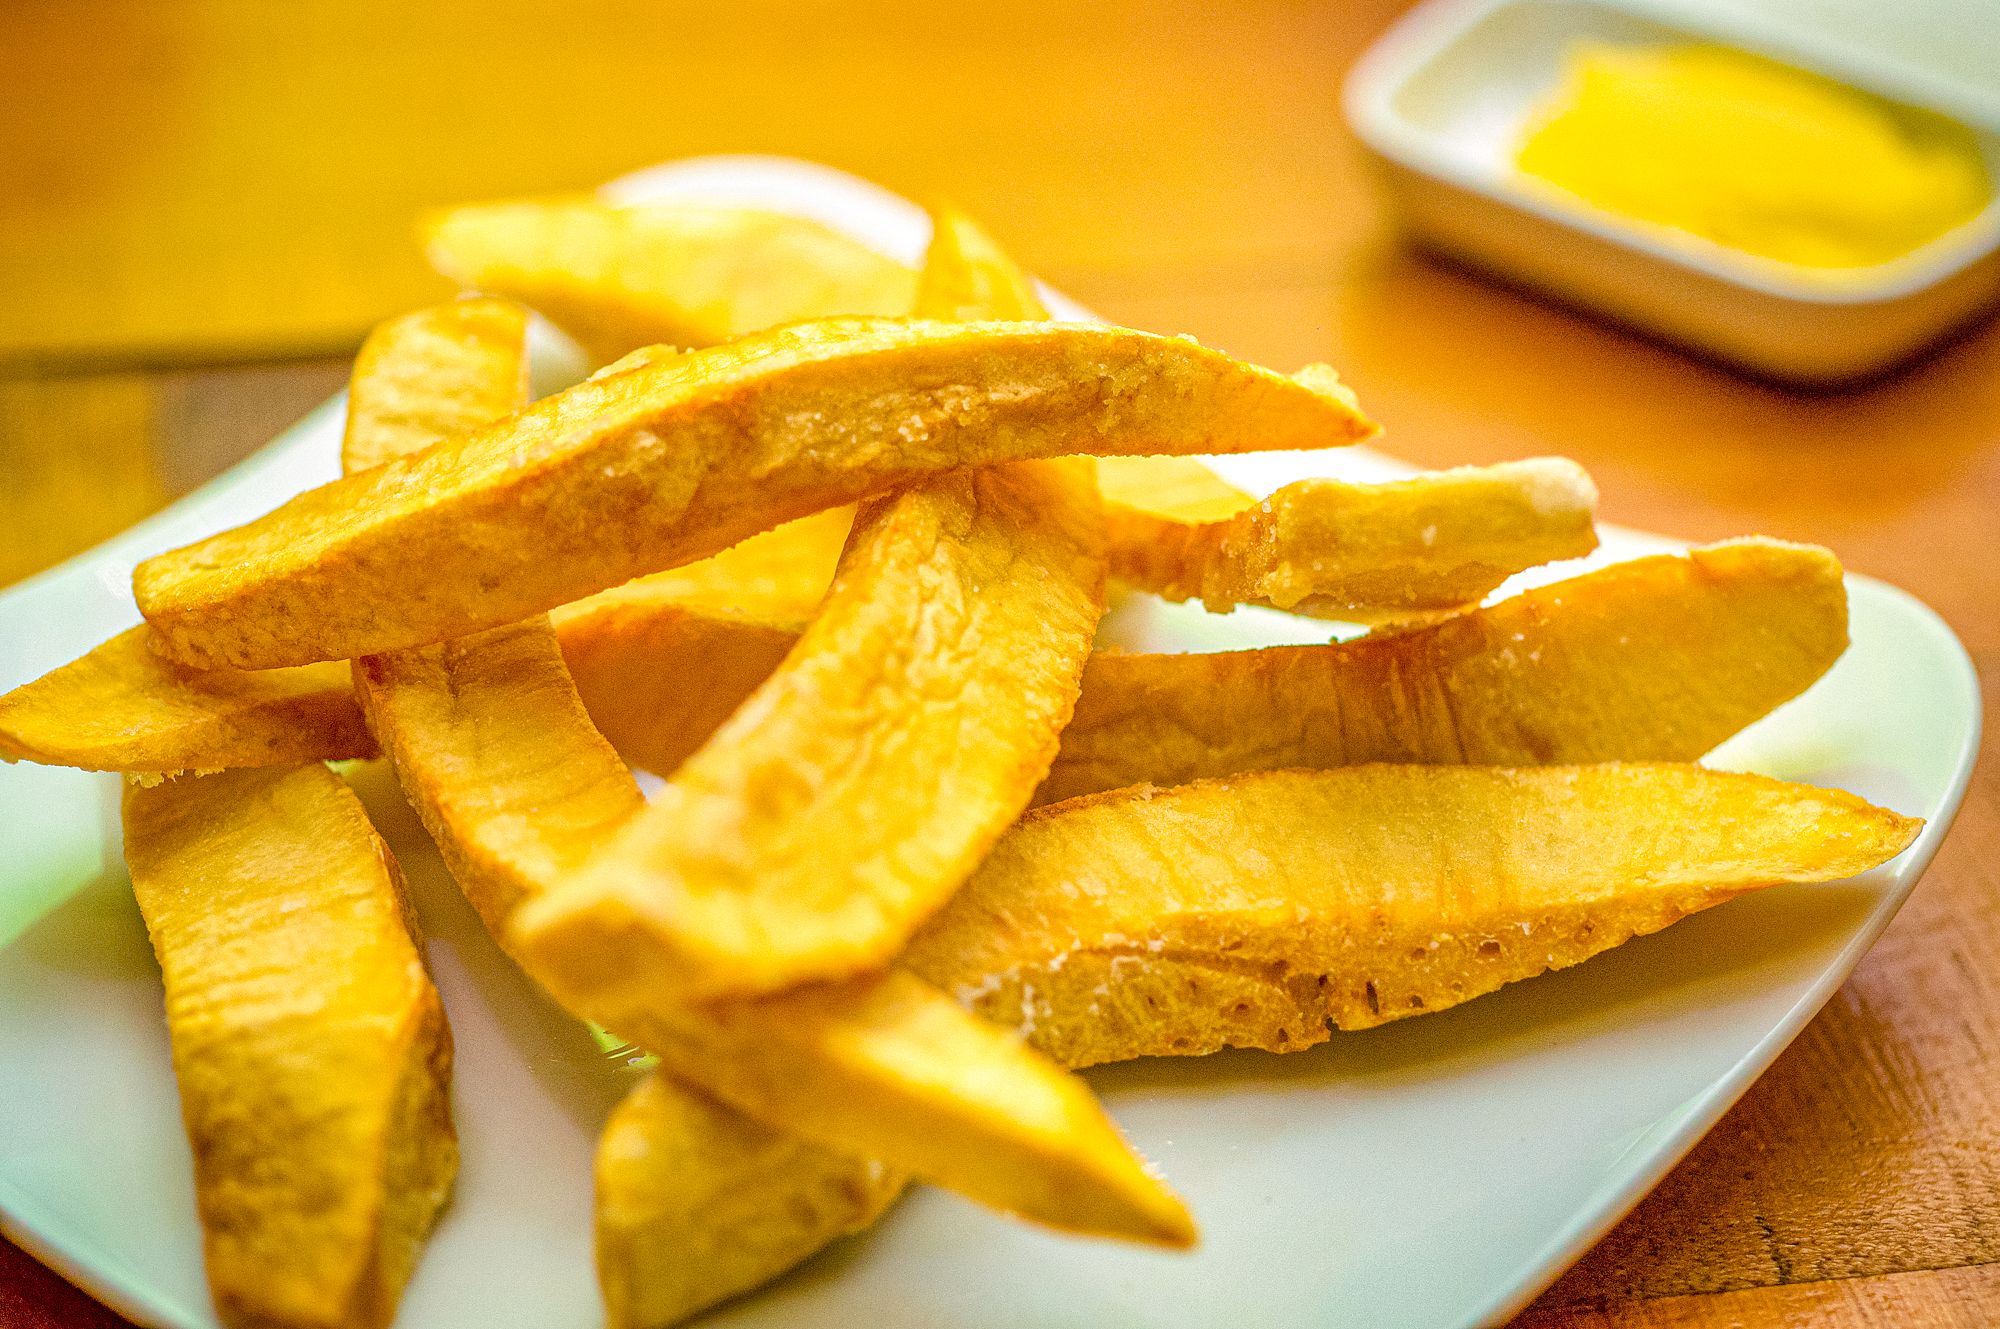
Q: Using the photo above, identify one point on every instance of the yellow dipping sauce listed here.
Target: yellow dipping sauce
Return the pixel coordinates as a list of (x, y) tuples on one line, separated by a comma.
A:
[(1753, 154)]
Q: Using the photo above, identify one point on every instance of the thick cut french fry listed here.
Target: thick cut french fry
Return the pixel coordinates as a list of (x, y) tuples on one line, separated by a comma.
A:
[(620, 279), (642, 471), (125, 707), (312, 1053), (472, 344), (687, 275), (1266, 909), (1657, 659), (697, 1203), (1365, 552), (868, 775), (500, 761)]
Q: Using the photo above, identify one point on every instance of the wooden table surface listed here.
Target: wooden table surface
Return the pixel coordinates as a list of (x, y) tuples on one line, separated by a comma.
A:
[(209, 202)]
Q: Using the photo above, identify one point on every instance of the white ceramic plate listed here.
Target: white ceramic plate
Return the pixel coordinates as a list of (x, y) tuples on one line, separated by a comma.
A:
[(1436, 1172)]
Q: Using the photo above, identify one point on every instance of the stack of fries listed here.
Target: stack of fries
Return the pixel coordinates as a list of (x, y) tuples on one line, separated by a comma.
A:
[(919, 851)]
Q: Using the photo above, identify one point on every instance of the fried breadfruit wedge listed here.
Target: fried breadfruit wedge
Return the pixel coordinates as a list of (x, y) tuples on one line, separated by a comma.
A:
[(502, 764), (866, 777), (125, 707), (618, 278), (1267, 909), (1657, 659), (1364, 552), (312, 1053), (641, 471), (697, 1203), (622, 278)]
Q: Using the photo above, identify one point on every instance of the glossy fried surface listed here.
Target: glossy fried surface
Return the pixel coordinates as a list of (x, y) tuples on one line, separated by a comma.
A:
[(697, 1202), (1365, 552), (310, 1048), (642, 471), (617, 278), (1265, 910), (1660, 659)]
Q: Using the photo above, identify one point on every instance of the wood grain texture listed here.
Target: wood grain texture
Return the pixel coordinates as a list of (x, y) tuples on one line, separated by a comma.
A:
[(84, 455), (1191, 176), (1930, 1299)]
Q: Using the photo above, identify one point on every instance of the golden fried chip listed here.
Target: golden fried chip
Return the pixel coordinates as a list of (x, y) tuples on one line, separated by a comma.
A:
[(124, 707), (1658, 659), (500, 761), (1265, 909), (474, 346), (696, 1203), (641, 471), (621, 279), (312, 1054), (617, 278), (868, 775), (1365, 552)]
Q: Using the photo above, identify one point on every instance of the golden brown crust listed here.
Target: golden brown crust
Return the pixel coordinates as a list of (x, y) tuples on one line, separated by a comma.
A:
[(124, 707), (697, 1203), (1661, 658), (473, 346), (312, 1054), (1265, 909), (618, 278), (641, 471), (1364, 552)]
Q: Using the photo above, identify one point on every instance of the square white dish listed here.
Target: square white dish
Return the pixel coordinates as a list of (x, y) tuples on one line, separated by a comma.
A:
[(1433, 1173), (1440, 102)]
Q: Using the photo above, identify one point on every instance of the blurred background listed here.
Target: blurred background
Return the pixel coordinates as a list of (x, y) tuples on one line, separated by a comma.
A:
[(206, 203)]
